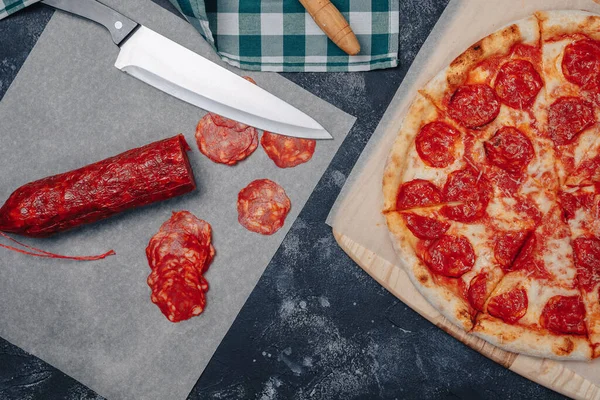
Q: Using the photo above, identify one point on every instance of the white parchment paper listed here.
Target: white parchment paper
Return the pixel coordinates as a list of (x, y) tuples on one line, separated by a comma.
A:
[(69, 107)]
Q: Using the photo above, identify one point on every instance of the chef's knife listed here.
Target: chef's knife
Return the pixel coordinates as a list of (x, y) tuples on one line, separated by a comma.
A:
[(172, 68)]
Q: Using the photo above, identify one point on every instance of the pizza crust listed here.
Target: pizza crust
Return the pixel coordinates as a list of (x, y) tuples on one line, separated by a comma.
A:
[(537, 343), (444, 300), (591, 301), (496, 44), (420, 112), (568, 22)]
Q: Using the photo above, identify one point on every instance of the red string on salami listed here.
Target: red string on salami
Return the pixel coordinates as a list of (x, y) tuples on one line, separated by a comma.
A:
[(45, 254)]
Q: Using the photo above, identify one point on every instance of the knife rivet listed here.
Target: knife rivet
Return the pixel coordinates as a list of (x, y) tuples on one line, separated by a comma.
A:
[(118, 24)]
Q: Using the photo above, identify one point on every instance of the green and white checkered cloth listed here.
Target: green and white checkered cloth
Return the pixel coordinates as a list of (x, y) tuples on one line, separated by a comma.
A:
[(8, 7), (280, 36)]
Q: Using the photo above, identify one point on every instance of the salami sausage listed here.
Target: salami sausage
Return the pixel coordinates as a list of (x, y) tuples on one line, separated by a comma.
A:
[(223, 144), (263, 206), (141, 176), (178, 255), (286, 151)]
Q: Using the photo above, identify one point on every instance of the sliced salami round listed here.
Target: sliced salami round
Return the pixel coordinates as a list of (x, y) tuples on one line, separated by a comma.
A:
[(286, 151), (510, 306), (472, 190), (474, 105), (225, 145), (568, 117), (509, 149), (450, 256), (581, 63), (418, 193), (564, 314), (477, 292), (436, 142), (518, 84), (263, 206), (425, 227)]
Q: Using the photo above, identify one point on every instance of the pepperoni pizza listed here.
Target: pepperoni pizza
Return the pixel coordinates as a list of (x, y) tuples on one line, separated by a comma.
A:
[(492, 188)]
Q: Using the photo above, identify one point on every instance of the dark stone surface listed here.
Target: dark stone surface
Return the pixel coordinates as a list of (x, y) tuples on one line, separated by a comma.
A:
[(316, 326)]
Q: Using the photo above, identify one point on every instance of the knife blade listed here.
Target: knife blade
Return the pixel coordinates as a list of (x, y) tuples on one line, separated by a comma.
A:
[(178, 71)]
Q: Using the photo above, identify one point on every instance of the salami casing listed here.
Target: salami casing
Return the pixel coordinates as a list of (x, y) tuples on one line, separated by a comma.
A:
[(140, 176)]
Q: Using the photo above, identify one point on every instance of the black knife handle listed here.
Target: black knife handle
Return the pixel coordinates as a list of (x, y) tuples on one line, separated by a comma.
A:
[(119, 26)]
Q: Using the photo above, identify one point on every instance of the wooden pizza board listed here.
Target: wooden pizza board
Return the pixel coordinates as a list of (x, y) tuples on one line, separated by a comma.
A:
[(360, 229)]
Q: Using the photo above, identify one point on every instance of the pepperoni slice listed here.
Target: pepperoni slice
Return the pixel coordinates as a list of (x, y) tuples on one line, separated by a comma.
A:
[(477, 293), (587, 261), (263, 206), (474, 105), (435, 144), (417, 193), (581, 63), (424, 227), (527, 259), (569, 204), (507, 248), (229, 123), (518, 84), (225, 145), (509, 149), (287, 151), (471, 189), (450, 256), (567, 117), (510, 306), (564, 314)]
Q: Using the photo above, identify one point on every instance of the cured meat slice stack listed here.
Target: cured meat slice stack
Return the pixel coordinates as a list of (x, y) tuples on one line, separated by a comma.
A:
[(179, 254)]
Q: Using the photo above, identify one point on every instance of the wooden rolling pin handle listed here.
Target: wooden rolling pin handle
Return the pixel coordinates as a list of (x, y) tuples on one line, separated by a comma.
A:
[(333, 23)]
